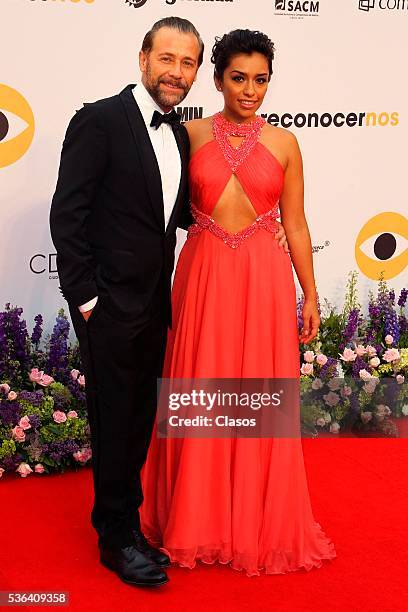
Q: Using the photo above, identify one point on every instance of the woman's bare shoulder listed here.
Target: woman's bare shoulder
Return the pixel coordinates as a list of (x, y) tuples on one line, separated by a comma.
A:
[(199, 132)]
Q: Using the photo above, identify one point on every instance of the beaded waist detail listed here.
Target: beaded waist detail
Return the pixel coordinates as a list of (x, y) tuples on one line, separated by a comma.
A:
[(265, 221)]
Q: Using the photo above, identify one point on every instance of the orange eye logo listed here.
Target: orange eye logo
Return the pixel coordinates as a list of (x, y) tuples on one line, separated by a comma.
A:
[(382, 246), (16, 125)]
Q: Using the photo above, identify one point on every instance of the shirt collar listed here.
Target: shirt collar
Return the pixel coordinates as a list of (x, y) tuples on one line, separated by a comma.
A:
[(146, 103)]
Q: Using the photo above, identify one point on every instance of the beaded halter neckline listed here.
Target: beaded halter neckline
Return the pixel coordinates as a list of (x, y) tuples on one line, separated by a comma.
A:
[(250, 132)]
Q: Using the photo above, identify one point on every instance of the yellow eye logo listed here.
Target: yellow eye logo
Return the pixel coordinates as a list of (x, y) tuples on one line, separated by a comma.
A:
[(382, 246), (16, 125)]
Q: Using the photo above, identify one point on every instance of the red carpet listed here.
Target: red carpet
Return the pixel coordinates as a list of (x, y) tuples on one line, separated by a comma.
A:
[(359, 492)]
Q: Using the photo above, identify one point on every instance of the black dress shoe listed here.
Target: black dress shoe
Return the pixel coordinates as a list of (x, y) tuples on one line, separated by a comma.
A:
[(132, 566), (157, 556)]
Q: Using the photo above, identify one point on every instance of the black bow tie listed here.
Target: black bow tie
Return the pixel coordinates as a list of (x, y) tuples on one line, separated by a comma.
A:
[(172, 118)]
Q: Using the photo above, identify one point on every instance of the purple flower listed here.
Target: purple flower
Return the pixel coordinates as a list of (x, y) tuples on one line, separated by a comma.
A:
[(57, 363), (32, 397), (10, 413), (37, 331), (351, 328), (360, 364), (34, 420), (403, 297), (329, 370)]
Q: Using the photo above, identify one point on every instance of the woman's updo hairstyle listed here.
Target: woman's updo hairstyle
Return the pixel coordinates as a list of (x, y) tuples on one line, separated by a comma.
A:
[(240, 41)]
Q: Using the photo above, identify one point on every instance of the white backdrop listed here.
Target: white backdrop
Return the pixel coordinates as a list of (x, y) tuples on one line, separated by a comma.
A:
[(333, 56)]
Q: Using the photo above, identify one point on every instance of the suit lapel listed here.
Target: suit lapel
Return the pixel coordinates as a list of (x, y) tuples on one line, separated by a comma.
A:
[(145, 149), (182, 144)]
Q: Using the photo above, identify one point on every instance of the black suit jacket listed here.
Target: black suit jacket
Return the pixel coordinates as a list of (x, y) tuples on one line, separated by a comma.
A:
[(107, 215)]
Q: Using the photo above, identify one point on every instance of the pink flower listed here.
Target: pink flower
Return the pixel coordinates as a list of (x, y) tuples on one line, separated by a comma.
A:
[(317, 384), (375, 362), (12, 396), (370, 385), (366, 416), (5, 388), (309, 356), (331, 398), (35, 375), (46, 380), (391, 354), (334, 427), (360, 350), (18, 434), (72, 414), (24, 470), (25, 423), (321, 422), (307, 368), (334, 384), (371, 351), (59, 416), (321, 359), (2, 470), (388, 339), (39, 468), (400, 379), (81, 380), (346, 391), (348, 355), (74, 374), (83, 455)]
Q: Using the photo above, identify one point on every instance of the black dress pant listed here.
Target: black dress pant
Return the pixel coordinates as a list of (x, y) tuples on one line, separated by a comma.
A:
[(121, 361)]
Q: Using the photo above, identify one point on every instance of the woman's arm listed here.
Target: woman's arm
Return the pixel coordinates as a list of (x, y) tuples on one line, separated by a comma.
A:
[(298, 237)]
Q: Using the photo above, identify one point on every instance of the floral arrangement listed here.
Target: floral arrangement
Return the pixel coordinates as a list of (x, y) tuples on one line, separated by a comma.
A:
[(43, 422), (352, 378), (353, 374)]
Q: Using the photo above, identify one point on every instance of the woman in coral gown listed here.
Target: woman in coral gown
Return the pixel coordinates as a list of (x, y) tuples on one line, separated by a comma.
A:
[(242, 501)]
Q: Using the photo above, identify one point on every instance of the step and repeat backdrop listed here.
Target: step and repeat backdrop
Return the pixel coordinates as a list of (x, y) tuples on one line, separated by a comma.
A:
[(339, 84)]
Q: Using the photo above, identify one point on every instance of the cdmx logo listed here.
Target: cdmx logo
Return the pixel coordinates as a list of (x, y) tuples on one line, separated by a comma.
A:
[(136, 3), (16, 125), (381, 247), (392, 5), (366, 5), (40, 264)]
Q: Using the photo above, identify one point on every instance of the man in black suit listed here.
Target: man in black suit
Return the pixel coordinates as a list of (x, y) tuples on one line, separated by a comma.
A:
[(122, 191)]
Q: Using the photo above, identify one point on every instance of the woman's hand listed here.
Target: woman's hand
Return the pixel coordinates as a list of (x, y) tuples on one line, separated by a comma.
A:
[(311, 321)]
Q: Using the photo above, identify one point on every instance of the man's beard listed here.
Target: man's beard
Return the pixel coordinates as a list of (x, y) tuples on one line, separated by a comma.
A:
[(165, 98)]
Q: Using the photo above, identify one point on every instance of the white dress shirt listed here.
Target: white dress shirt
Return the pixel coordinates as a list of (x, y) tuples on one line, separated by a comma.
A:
[(167, 155)]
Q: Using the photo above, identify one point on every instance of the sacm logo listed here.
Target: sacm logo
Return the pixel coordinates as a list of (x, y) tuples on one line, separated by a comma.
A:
[(297, 6), (16, 125)]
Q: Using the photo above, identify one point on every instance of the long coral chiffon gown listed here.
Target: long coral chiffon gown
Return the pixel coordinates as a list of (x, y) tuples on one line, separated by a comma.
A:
[(243, 501)]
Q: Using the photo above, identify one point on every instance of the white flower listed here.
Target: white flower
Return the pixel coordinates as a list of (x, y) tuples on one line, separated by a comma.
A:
[(321, 422), (375, 362), (400, 379), (388, 339), (327, 417), (404, 410)]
